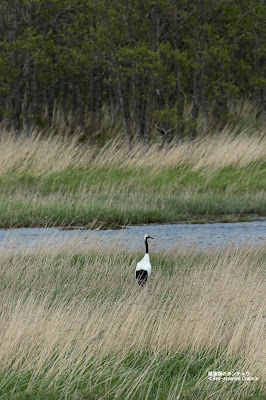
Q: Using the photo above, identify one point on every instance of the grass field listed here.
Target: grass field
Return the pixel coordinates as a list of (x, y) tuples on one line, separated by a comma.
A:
[(60, 181), (75, 325)]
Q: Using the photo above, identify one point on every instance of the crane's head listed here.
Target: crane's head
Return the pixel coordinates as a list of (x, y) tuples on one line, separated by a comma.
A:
[(146, 237)]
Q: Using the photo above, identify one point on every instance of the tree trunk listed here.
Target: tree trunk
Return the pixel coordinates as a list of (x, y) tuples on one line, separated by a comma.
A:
[(220, 108), (204, 102), (180, 110), (125, 111), (113, 104), (95, 99), (27, 111), (148, 120), (11, 117), (195, 106)]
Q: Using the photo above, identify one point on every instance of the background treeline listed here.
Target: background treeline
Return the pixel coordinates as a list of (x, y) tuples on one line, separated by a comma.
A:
[(131, 62)]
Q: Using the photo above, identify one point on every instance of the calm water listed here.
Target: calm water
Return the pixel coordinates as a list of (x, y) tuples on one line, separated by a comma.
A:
[(201, 236)]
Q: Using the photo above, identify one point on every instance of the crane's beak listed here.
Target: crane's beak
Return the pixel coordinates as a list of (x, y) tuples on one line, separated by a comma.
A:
[(149, 237)]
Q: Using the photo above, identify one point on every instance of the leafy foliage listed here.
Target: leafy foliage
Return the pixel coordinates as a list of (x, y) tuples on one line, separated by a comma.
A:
[(139, 60)]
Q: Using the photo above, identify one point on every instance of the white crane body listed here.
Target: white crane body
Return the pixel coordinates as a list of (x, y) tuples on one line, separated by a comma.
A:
[(143, 269)]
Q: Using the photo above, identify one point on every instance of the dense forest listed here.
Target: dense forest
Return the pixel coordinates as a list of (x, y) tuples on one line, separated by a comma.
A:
[(137, 61)]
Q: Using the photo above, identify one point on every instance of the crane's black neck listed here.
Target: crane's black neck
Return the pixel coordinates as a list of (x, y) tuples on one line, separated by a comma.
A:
[(147, 247)]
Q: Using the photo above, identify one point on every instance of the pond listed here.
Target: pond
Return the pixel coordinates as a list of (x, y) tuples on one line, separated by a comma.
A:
[(201, 236)]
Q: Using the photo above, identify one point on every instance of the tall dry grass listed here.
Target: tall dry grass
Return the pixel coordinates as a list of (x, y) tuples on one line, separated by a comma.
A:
[(63, 315), (55, 153), (58, 181)]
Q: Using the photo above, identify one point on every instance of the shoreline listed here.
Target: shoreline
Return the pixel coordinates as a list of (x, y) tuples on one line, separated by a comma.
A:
[(103, 226)]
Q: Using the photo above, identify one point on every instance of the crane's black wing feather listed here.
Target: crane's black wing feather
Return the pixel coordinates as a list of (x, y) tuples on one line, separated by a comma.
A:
[(142, 277)]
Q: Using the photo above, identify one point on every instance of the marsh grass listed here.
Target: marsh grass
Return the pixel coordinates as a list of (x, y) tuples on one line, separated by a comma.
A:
[(59, 153), (75, 325), (60, 181)]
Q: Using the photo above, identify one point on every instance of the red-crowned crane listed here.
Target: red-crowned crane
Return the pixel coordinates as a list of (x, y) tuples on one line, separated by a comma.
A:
[(143, 269)]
